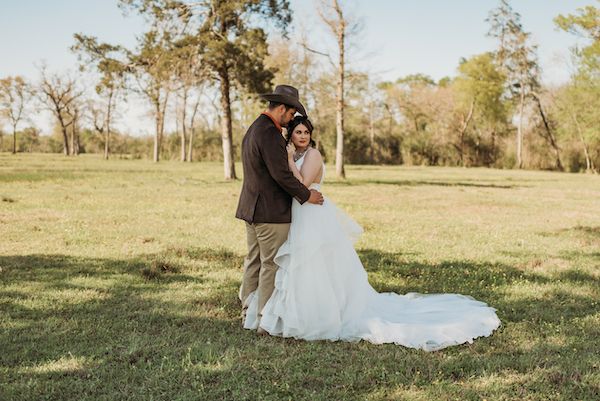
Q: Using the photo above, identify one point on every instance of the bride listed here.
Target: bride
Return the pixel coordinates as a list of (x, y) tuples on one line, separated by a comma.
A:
[(322, 291)]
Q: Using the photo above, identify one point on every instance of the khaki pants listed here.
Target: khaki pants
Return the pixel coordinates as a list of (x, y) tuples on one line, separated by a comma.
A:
[(264, 240)]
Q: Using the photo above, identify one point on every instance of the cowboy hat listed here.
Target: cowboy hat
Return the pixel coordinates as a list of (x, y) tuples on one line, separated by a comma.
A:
[(287, 95)]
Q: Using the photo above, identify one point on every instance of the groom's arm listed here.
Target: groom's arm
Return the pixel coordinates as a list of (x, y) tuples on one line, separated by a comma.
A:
[(275, 158)]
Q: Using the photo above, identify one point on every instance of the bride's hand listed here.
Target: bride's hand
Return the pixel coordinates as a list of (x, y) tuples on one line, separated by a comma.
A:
[(290, 150)]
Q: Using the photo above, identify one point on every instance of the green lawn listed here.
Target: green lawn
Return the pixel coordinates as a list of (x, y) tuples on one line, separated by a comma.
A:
[(118, 281)]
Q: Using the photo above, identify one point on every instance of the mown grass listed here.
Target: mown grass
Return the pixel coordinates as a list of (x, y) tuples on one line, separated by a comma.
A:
[(118, 280)]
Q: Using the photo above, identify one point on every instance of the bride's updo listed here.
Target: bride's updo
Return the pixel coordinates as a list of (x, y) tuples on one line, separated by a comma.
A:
[(296, 121)]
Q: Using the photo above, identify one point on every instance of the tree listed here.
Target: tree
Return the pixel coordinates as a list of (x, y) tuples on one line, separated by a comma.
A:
[(503, 22), (524, 72), (585, 23), (578, 106), (151, 69), (548, 132), (332, 15), (373, 101), (30, 138), (232, 45), (518, 60), (74, 112), (582, 94), (58, 93), (15, 93), (292, 63), (479, 88), (105, 59), (97, 114), (190, 74), (422, 109)]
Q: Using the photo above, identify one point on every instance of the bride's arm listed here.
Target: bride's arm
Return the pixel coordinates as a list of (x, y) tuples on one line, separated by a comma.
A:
[(313, 163)]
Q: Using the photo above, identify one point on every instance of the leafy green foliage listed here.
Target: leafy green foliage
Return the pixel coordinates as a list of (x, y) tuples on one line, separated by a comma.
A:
[(585, 23), (579, 101)]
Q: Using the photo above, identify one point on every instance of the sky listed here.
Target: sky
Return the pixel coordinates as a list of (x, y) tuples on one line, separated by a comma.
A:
[(398, 37)]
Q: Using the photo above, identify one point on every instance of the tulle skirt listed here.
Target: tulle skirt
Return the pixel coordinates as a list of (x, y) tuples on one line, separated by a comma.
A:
[(322, 293)]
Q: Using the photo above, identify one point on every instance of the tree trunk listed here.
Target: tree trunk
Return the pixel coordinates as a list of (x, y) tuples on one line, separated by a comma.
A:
[(75, 128), (520, 129), (71, 142), (183, 143), (163, 114), (463, 130), (550, 137), (226, 128), (192, 128), (77, 143), (106, 146), (160, 110), (74, 138), (339, 124), (492, 158), (190, 144), (14, 150), (158, 118), (589, 163), (63, 128), (371, 133), (108, 119), (183, 126)]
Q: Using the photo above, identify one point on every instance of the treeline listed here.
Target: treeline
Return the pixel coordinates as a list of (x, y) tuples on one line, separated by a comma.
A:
[(202, 68), (207, 146)]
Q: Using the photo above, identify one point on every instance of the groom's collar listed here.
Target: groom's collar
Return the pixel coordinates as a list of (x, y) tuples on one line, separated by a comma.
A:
[(266, 113)]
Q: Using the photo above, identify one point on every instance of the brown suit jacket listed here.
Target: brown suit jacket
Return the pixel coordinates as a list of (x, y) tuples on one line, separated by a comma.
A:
[(268, 185)]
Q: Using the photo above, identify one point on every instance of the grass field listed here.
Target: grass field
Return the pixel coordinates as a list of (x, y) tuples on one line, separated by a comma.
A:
[(118, 281)]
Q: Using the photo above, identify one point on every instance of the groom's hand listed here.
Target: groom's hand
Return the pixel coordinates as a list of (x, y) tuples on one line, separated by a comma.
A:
[(315, 197)]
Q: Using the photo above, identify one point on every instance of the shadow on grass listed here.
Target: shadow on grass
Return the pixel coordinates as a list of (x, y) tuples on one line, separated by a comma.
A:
[(499, 285), (90, 328), (589, 232), (414, 183), (73, 326), (35, 176)]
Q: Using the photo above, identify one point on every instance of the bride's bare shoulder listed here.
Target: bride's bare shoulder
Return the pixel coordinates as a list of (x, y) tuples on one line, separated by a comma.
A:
[(314, 155)]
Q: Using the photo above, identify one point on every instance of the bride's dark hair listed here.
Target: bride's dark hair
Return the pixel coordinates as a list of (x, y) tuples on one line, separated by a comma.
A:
[(296, 121)]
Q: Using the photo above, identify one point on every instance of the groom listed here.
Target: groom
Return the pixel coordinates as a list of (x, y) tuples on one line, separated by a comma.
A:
[(267, 191)]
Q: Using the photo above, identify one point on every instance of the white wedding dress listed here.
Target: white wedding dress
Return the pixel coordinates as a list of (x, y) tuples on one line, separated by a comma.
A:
[(322, 292)]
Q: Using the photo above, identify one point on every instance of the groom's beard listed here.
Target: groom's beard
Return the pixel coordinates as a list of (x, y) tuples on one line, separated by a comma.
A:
[(284, 125)]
